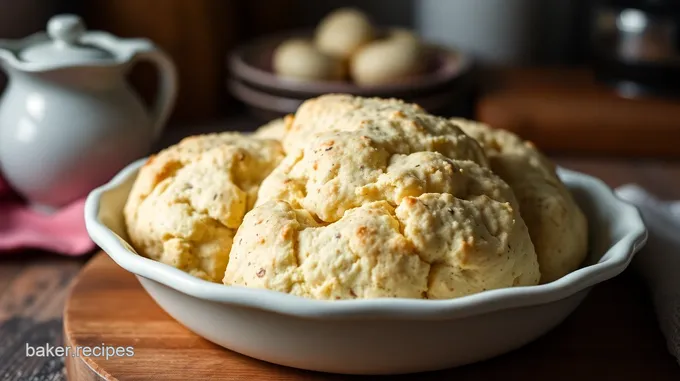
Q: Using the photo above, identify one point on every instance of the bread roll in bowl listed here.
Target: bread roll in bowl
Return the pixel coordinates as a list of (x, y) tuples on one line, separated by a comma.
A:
[(300, 59), (398, 57), (343, 32)]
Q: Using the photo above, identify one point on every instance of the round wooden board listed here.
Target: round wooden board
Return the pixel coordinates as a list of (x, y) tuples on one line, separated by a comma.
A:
[(611, 336)]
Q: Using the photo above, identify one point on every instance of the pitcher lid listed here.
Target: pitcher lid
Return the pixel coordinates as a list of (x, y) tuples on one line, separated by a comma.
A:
[(65, 44)]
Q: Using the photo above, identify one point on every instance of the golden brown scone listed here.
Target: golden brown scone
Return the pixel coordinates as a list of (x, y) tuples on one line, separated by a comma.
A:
[(433, 246), (349, 216), (189, 199), (471, 245), (341, 170), (361, 256), (275, 129), (386, 120), (558, 227)]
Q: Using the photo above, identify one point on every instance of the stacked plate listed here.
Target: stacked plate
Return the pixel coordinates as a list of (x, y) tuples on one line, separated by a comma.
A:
[(267, 95)]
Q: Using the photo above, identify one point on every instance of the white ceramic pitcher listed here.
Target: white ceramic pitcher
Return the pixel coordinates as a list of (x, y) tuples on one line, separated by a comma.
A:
[(68, 118)]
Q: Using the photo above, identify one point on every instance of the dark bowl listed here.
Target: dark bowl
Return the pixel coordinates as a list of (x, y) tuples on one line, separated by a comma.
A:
[(252, 64), (267, 106)]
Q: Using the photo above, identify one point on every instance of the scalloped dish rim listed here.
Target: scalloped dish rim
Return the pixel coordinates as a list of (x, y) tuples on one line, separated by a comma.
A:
[(616, 258)]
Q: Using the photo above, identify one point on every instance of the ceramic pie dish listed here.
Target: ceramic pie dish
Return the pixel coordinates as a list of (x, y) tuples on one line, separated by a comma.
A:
[(378, 336)]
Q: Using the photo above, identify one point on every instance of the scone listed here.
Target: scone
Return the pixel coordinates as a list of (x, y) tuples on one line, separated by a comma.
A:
[(387, 120), (188, 200), (356, 215), (362, 256), (341, 170), (558, 228), (275, 129)]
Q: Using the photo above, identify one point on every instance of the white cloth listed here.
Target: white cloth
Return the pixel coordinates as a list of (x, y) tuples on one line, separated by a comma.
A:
[(659, 261)]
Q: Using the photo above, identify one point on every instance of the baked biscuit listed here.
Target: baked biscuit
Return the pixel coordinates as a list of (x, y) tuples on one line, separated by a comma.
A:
[(188, 200), (404, 127), (558, 227), (275, 129), (322, 214), (433, 246), (471, 245), (341, 170), (361, 256)]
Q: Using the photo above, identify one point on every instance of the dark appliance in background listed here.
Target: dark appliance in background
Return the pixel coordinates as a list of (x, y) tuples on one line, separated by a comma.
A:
[(622, 96), (636, 46)]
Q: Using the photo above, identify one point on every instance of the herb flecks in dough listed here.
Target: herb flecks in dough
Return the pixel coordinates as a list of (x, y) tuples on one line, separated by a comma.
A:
[(397, 203), (558, 228), (189, 199)]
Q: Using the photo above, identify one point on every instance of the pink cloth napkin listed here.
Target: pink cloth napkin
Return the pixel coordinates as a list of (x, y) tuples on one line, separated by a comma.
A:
[(23, 228)]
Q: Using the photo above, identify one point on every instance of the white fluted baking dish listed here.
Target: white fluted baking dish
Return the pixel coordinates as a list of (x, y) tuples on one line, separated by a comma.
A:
[(378, 336)]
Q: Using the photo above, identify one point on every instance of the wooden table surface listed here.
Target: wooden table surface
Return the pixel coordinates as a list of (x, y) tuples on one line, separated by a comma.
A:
[(33, 286)]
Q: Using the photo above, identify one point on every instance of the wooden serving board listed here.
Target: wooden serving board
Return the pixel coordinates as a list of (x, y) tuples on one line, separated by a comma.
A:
[(613, 335)]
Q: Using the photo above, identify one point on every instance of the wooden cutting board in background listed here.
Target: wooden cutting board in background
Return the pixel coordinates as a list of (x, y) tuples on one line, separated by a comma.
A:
[(197, 34), (567, 111)]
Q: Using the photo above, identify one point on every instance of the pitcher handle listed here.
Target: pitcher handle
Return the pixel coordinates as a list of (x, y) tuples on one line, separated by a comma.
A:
[(167, 87)]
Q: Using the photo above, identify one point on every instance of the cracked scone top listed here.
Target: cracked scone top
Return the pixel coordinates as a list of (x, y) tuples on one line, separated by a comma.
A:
[(188, 200), (390, 120), (355, 215), (558, 227)]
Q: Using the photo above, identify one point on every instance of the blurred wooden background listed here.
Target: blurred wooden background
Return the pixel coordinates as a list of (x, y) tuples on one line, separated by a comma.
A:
[(198, 35), (562, 110)]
